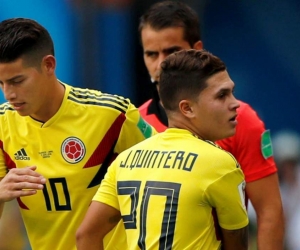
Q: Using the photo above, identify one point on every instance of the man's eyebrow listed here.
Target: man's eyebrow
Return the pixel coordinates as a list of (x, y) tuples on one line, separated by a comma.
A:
[(173, 48), (149, 51), (226, 90), (14, 78), (166, 50)]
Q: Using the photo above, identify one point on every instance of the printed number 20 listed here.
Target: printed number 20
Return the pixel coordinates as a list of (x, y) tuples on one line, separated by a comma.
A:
[(169, 190)]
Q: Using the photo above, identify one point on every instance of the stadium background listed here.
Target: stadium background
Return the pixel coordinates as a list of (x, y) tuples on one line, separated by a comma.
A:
[(97, 46)]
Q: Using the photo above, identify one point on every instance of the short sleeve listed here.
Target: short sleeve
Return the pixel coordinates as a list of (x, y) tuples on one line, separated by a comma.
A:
[(106, 193), (226, 195), (3, 169), (134, 130)]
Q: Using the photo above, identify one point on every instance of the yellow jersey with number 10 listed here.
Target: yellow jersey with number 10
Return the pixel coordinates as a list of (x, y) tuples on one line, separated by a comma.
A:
[(72, 151)]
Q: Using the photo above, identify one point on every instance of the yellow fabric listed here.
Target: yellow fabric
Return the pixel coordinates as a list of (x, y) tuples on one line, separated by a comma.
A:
[(68, 150), (168, 184)]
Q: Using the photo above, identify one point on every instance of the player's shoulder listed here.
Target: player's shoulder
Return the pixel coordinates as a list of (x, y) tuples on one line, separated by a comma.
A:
[(147, 144), (144, 107), (96, 98), (247, 115), (220, 153), (246, 109), (5, 108)]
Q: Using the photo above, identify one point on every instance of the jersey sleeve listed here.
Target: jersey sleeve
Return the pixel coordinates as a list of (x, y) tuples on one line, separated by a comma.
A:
[(226, 195), (134, 130), (251, 145), (106, 193), (3, 169)]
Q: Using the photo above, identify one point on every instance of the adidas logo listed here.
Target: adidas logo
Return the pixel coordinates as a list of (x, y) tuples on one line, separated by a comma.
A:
[(21, 155)]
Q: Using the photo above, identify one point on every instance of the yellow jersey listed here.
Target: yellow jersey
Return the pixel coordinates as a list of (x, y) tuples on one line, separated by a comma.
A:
[(72, 151), (171, 189)]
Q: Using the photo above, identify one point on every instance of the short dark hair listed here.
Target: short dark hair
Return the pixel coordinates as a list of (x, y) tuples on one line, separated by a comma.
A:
[(21, 37), (184, 74), (168, 14)]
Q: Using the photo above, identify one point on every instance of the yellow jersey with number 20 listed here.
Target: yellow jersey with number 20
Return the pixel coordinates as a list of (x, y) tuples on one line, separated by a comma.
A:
[(168, 189)]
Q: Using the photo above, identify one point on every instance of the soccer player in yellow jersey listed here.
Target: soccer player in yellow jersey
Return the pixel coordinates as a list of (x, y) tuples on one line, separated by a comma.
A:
[(169, 26), (56, 141), (178, 190)]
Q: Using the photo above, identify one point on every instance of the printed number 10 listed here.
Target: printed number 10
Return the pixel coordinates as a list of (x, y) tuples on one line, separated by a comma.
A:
[(54, 184)]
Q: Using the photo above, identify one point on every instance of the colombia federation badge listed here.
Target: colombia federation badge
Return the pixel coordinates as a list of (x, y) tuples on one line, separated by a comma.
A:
[(73, 150)]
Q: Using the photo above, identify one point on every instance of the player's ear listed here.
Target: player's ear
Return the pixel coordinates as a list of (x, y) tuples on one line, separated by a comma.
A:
[(198, 45), (49, 64), (186, 108)]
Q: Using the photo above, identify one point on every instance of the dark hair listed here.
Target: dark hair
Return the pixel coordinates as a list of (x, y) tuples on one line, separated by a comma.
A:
[(184, 74), (168, 14), (21, 37)]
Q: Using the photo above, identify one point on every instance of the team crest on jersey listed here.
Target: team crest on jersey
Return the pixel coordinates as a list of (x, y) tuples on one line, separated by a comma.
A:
[(73, 150)]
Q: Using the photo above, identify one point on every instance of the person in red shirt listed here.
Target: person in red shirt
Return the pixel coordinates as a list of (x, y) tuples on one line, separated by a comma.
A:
[(170, 26)]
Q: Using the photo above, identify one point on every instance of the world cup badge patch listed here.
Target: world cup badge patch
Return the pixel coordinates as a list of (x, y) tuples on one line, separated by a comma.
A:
[(144, 127), (266, 144), (73, 150)]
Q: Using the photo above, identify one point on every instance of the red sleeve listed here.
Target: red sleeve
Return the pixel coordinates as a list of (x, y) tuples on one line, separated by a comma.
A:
[(248, 145)]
